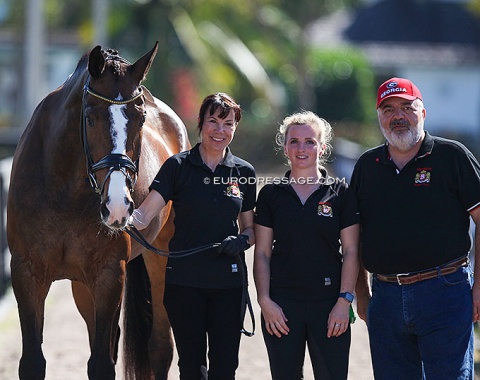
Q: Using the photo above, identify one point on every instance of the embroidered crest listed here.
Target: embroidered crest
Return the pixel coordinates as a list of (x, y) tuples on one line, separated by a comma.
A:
[(422, 177), (233, 190), (324, 209)]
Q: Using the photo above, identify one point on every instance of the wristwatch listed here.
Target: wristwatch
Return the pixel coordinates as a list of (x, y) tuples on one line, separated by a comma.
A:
[(348, 296)]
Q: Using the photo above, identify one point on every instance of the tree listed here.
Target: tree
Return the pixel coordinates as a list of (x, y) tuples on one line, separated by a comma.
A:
[(255, 50)]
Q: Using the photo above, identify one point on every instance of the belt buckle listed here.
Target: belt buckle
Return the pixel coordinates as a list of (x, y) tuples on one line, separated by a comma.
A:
[(398, 276)]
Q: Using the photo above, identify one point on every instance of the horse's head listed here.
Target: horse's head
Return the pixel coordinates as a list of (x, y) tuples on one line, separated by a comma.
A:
[(113, 113)]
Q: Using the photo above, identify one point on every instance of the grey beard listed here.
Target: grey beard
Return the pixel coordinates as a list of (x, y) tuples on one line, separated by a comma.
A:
[(403, 142)]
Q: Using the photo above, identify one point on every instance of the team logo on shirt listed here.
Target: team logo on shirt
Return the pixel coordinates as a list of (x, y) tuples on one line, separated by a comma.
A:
[(422, 178), (233, 190), (324, 209)]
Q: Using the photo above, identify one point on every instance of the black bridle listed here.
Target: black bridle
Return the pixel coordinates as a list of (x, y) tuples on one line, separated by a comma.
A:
[(113, 161)]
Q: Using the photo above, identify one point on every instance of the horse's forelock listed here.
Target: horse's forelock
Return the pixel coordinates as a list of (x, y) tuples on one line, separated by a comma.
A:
[(118, 67), (112, 54)]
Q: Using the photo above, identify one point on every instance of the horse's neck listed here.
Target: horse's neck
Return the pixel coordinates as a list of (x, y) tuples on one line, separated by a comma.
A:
[(61, 138)]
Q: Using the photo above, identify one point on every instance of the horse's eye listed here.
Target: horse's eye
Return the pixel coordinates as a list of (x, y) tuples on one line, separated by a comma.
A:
[(89, 121)]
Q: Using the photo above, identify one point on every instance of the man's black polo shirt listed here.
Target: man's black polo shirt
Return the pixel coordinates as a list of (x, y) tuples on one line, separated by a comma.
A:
[(306, 262), (207, 205), (416, 218)]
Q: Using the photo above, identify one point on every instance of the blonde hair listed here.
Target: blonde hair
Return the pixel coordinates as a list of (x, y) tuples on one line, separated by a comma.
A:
[(323, 128)]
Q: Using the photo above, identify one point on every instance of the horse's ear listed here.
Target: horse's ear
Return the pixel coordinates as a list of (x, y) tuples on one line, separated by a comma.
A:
[(142, 66), (96, 62)]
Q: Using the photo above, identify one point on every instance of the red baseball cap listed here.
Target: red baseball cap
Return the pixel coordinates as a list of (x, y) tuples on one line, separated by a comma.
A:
[(399, 87)]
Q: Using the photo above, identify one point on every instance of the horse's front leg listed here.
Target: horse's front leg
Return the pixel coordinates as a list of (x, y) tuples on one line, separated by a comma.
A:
[(107, 295), (30, 294), (84, 301)]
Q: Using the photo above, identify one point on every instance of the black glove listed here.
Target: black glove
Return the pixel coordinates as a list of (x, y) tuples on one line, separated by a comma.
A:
[(234, 245)]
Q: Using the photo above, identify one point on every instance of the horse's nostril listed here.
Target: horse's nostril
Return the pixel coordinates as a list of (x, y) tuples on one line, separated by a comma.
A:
[(104, 211)]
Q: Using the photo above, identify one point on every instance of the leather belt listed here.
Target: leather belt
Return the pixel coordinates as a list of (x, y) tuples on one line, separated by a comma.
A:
[(411, 278)]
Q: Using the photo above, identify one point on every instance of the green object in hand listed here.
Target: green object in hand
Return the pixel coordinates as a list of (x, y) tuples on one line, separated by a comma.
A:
[(353, 318)]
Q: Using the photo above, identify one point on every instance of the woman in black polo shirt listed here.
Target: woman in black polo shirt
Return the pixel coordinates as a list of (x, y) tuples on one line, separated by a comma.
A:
[(304, 284), (213, 196)]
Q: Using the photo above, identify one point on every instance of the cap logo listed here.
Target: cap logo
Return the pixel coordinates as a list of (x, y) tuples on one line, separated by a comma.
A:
[(399, 87), (392, 87)]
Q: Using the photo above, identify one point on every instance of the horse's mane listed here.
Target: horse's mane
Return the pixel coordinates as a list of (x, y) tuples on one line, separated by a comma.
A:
[(72, 88), (79, 70)]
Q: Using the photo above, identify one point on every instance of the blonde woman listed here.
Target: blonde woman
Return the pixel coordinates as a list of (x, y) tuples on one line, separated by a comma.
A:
[(304, 284)]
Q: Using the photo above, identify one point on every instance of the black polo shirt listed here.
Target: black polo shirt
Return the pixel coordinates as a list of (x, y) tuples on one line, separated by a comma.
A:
[(416, 218), (306, 263), (207, 205)]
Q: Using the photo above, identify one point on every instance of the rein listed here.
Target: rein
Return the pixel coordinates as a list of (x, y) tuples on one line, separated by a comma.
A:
[(135, 234), (246, 302)]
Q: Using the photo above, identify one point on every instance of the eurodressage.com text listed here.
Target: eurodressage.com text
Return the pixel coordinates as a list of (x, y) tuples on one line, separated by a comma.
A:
[(265, 180)]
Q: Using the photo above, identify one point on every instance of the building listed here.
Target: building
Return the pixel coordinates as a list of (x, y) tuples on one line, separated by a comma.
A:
[(434, 43)]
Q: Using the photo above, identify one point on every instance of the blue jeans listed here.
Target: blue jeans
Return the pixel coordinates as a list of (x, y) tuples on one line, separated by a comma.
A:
[(423, 330)]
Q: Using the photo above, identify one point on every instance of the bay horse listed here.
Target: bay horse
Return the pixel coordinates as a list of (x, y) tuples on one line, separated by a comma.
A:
[(85, 159)]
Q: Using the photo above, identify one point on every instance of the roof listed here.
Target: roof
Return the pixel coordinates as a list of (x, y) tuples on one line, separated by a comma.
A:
[(415, 21), (399, 32)]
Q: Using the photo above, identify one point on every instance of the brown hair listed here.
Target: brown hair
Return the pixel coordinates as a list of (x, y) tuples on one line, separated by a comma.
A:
[(215, 101)]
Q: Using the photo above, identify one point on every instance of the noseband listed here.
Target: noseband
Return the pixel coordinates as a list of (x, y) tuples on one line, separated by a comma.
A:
[(114, 161)]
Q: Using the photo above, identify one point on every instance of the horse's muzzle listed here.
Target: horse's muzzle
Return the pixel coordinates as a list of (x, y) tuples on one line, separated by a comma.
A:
[(116, 217)]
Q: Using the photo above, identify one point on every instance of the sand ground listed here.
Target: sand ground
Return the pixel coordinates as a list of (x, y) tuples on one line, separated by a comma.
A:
[(66, 342)]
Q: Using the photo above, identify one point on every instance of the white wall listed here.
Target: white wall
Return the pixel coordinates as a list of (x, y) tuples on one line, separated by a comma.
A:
[(451, 97)]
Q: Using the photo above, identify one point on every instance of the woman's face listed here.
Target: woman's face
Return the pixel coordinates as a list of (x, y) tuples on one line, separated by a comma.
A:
[(217, 133), (303, 146)]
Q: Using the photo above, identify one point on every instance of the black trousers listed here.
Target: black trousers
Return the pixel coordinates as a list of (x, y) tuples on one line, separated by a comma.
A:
[(199, 316), (308, 326)]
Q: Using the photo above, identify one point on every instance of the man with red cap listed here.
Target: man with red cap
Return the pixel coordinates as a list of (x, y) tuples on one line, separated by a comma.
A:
[(416, 195)]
